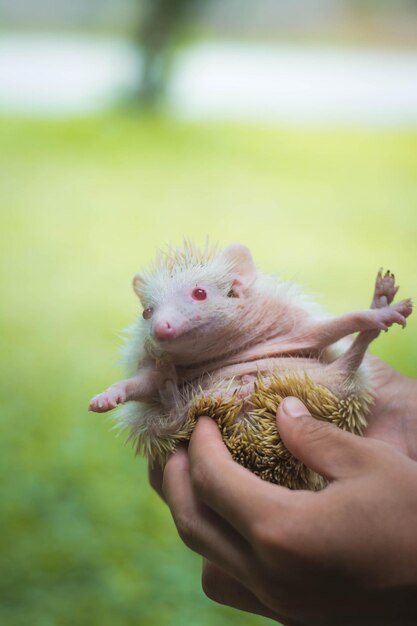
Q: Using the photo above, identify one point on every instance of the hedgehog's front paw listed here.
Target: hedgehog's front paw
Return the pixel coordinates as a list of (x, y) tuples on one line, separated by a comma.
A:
[(108, 400), (385, 290)]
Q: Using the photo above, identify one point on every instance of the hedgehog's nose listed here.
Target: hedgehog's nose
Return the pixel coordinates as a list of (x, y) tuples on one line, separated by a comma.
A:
[(163, 331)]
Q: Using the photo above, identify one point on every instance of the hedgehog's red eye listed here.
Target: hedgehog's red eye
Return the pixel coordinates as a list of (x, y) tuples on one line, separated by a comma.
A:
[(199, 294), (147, 313)]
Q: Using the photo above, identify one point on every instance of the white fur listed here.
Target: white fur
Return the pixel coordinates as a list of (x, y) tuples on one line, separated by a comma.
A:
[(227, 326)]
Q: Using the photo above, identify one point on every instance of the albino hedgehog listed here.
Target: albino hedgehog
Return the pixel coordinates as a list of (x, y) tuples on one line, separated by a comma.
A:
[(218, 338)]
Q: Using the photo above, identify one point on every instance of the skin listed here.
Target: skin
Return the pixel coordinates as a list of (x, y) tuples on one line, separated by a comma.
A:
[(346, 555)]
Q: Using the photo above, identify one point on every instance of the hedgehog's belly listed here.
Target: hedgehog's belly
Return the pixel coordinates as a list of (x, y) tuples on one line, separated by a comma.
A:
[(240, 379)]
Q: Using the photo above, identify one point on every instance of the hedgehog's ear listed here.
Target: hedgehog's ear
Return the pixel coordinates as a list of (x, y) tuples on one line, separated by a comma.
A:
[(138, 287), (243, 267)]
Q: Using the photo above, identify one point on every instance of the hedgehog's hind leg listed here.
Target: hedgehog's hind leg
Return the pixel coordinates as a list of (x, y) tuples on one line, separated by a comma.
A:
[(350, 360), (385, 290), (384, 293)]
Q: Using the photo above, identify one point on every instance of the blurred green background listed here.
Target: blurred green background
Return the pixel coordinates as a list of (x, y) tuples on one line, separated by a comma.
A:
[(85, 202), (84, 205)]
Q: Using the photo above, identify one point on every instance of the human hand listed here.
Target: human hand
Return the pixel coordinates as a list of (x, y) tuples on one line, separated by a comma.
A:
[(394, 416), (393, 420), (344, 555)]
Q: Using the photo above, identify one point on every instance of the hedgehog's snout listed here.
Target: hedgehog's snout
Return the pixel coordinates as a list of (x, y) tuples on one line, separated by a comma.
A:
[(163, 330)]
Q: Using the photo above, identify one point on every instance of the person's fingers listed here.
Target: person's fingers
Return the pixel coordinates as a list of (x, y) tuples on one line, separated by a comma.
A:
[(155, 476), (323, 447), (224, 589), (201, 529), (237, 495)]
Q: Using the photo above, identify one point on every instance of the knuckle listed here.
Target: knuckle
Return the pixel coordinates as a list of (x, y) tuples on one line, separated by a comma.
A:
[(275, 541), (278, 598), (316, 432), (186, 530), (260, 533), (372, 451), (172, 471), (211, 584), (367, 447), (200, 476), (266, 593), (266, 588), (266, 539)]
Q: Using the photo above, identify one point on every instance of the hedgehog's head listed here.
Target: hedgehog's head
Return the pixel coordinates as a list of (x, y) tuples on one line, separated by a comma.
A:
[(191, 297)]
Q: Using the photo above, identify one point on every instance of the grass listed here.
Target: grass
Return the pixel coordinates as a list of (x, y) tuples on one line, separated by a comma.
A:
[(84, 204)]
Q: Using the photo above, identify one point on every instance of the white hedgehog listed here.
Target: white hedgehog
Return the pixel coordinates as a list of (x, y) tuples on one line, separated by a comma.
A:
[(218, 338)]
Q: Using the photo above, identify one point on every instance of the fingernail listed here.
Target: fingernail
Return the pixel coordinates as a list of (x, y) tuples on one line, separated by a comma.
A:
[(293, 407)]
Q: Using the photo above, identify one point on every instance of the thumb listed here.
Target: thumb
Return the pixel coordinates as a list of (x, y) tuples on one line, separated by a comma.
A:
[(323, 447)]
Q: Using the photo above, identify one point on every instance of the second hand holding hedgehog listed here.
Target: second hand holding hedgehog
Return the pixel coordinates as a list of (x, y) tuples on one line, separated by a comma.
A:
[(345, 555), (220, 339)]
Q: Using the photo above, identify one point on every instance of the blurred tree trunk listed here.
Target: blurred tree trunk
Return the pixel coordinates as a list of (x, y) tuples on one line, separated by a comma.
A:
[(162, 22)]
